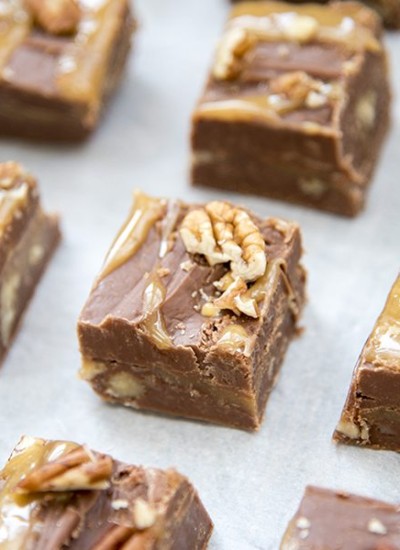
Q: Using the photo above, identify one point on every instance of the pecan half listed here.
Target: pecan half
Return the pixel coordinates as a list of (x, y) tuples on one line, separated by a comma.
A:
[(77, 470), (224, 233)]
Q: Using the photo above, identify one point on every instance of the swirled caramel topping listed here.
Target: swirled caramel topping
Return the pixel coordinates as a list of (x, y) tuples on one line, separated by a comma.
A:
[(153, 322), (251, 23), (383, 346), (146, 211), (90, 26)]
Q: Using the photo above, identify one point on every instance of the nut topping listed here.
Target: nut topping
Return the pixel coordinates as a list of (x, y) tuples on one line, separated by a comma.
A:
[(223, 233), (233, 46), (301, 28), (55, 16), (78, 470)]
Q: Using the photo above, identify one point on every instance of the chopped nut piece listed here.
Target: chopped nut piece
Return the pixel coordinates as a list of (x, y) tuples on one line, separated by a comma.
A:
[(233, 46), (144, 514), (377, 527), (163, 272), (55, 16), (77, 470), (301, 28)]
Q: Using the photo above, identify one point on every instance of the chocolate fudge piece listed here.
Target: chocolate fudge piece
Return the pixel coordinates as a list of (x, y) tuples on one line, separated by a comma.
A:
[(296, 107), (331, 520), (371, 415), (28, 238), (59, 64), (389, 10), (193, 311), (58, 495)]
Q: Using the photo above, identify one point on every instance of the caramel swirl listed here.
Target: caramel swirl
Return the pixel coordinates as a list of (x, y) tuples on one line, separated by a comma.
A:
[(383, 346), (153, 321), (144, 214), (272, 21)]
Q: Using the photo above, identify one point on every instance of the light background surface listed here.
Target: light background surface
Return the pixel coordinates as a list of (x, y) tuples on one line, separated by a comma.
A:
[(250, 483)]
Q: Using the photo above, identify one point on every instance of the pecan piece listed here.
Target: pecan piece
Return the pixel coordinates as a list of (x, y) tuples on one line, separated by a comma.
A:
[(77, 470)]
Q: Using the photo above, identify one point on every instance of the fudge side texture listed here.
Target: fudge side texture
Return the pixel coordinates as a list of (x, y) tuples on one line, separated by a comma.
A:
[(389, 10), (333, 520), (296, 106), (58, 495), (59, 64), (371, 414), (28, 238), (193, 311)]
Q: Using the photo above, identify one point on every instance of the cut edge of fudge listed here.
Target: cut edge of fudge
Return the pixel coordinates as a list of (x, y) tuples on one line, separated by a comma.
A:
[(291, 110), (335, 519), (28, 238), (371, 414), (174, 325), (82, 65), (69, 496)]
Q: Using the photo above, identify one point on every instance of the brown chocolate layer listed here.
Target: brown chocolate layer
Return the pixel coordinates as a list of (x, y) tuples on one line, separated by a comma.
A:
[(71, 497), (28, 238), (332, 520), (177, 360), (292, 116), (371, 414)]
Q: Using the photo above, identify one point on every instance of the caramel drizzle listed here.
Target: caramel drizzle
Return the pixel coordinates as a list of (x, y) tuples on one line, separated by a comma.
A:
[(153, 322), (82, 68), (15, 510), (146, 211), (15, 25), (268, 22), (253, 108), (383, 346)]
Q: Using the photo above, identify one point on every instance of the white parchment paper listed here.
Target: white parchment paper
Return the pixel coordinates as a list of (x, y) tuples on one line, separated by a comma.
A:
[(250, 483)]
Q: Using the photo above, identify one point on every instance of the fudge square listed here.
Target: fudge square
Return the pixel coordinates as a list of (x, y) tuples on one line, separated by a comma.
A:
[(296, 106), (58, 495), (28, 238), (193, 311), (389, 10), (371, 414), (60, 61), (330, 520)]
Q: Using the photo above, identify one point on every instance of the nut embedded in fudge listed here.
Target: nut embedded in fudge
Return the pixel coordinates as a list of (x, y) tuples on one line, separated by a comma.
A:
[(193, 311), (28, 238), (60, 61), (389, 10), (296, 106), (58, 495), (330, 520), (371, 415)]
